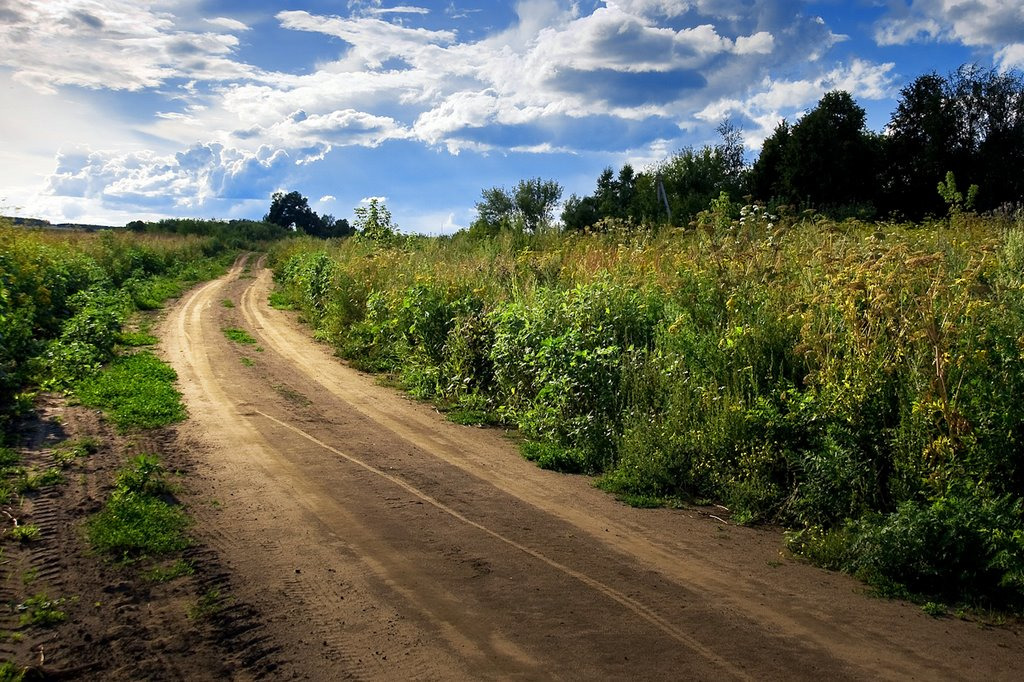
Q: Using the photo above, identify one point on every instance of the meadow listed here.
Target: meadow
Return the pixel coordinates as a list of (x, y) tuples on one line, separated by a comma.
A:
[(856, 383)]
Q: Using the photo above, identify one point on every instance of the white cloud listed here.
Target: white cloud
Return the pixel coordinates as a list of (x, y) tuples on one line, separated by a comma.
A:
[(189, 178), (1010, 57), (401, 9), (327, 198), (772, 100), (228, 23), (994, 24), (114, 45)]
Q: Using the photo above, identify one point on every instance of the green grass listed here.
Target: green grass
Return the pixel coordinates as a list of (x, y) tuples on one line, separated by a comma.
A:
[(133, 526), (238, 335), (280, 301), (136, 391), (227, 303), (11, 672), (65, 454), (207, 605), (248, 362), (137, 522), (167, 572), (41, 611), (26, 532), (134, 339), (9, 457)]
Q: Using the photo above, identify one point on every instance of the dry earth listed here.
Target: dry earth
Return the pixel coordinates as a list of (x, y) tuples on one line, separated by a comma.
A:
[(376, 540)]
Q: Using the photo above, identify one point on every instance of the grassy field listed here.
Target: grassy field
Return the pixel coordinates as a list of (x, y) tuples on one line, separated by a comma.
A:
[(858, 383)]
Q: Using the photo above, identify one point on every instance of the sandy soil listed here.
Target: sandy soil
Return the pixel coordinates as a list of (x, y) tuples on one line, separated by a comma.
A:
[(375, 540)]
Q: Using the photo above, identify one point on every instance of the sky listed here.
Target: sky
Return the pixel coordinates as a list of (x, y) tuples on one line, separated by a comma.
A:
[(117, 110)]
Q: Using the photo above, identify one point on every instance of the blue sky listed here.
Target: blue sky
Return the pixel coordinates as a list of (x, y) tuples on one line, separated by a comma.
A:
[(118, 110)]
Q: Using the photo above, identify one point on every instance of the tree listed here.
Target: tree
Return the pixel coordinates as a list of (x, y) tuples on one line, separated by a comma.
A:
[(292, 210), (535, 202), (769, 176), (331, 227), (970, 123), (373, 221), (919, 147), (827, 160), (832, 162), (579, 213), (530, 206)]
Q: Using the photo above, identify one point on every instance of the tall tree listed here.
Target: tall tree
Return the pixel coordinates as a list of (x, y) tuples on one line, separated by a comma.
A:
[(530, 206), (970, 123), (919, 150), (770, 176), (832, 156), (292, 210)]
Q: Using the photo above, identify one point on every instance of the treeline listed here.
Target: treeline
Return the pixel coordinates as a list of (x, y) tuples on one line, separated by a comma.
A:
[(859, 383), (969, 123), (228, 234)]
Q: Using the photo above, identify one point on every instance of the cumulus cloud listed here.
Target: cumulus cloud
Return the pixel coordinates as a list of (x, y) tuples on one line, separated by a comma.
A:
[(771, 100), (114, 45), (995, 24), (188, 178)]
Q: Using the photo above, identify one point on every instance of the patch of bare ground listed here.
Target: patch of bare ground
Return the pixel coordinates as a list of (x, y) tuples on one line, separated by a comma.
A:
[(119, 622)]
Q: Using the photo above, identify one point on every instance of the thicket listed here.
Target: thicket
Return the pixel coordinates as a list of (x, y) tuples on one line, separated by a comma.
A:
[(64, 296), (859, 383)]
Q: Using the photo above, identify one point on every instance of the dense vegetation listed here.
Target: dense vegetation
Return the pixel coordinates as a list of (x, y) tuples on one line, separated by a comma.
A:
[(64, 296), (856, 382)]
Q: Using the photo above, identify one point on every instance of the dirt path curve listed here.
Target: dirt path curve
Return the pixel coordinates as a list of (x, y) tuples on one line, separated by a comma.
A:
[(379, 541)]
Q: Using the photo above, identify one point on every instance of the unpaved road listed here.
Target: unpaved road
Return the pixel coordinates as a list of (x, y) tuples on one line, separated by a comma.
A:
[(377, 541)]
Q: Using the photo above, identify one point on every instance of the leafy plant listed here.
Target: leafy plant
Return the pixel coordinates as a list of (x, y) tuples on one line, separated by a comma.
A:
[(41, 611), (238, 335), (25, 532)]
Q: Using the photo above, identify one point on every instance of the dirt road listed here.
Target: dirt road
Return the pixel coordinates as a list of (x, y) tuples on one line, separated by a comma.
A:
[(377, 540)]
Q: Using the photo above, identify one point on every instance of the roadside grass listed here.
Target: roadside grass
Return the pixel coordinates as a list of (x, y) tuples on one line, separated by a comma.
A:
[(227, 303), (11, 672), (136, 338), (136, 391), (138, 521), (25, 533), (279, 300), (238, 335)]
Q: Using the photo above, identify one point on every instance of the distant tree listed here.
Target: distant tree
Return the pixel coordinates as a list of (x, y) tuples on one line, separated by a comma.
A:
[(292, 210), (832, 159), (530, 206), (827, 160), (373, 221), (579, 213), (495, 210), (535, 202), (330, 227), (691, 180), (919, 147)]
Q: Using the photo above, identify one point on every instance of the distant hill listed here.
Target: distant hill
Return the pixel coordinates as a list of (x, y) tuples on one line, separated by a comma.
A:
[(39, 222)]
